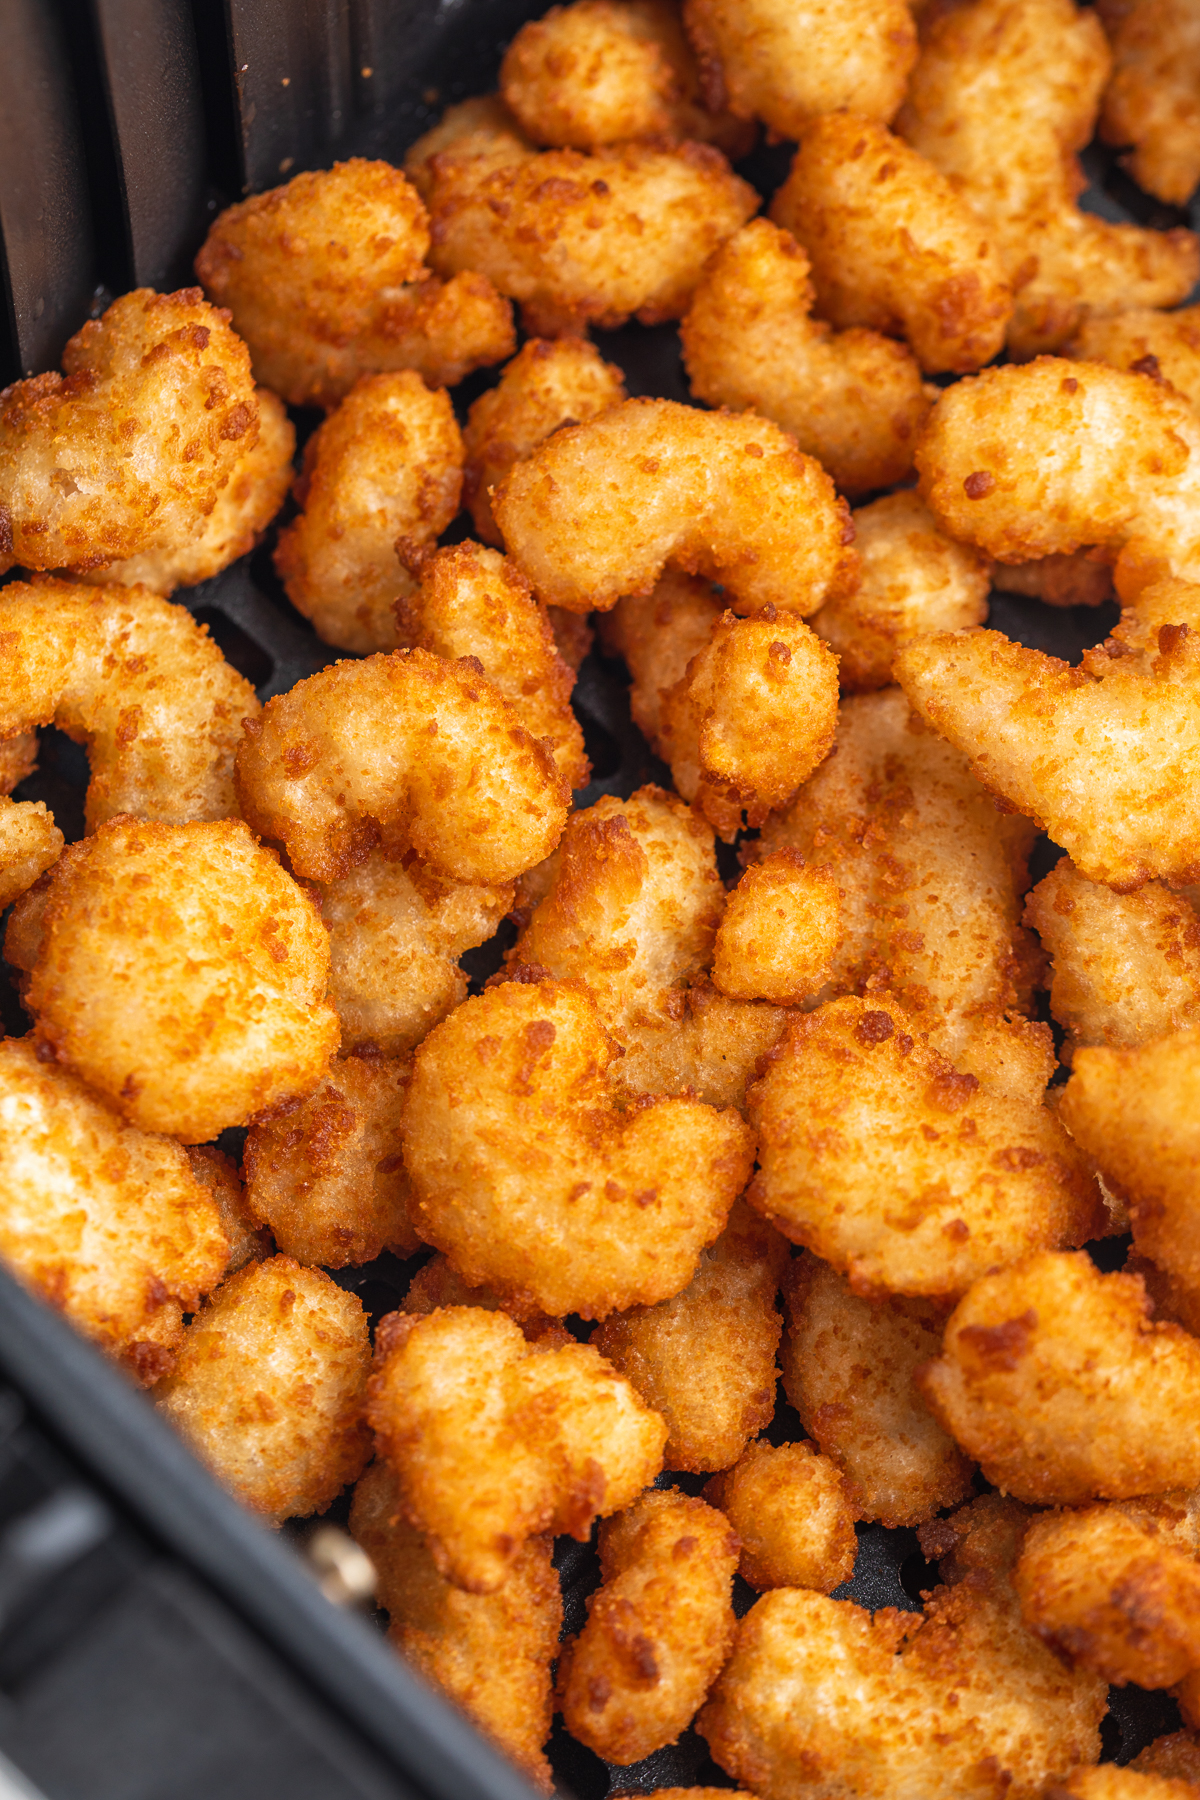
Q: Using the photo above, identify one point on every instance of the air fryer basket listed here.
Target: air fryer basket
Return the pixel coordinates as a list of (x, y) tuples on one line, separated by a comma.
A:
[(177, 1649)]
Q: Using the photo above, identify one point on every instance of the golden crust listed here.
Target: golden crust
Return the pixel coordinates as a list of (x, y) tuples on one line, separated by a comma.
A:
[(182, 974), (1176, 1757), (494, 1439), (794, 1513), (248, 1241), (437, 1283), (18, 758), (1149, 343), (1107, 1781), (658, 634), (711, 1052), (30, 842), (1152, 100), (780, 932), (481, 126), (1078, 578)]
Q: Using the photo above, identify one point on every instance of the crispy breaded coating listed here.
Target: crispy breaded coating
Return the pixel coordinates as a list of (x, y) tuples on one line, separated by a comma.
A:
[(848, 1368), (328, 1175), (404, 751), (853, 399), (1107, 1781), (385, 465), (711, 1052), (1152, 100), (139, 683), (105, 1223), (584, 238), (396, 933), (1054, 1377), (728, 496), (657, 1631), (1077, 578), (1175, 1756), (129, 454), (787, 64), (658, 634), (1003, 95), (706, 1358), (912, 578), (248, 1241), (481, 126), (960, 1701), (494, 1439), (182, 974), (780, 932), (794, 1512), (550, 382), (18, 758), (472, 602), (893, 246), (30, 842), (1116, 1589), (1149, 343), (1125, 967), (437, 1283), (1170, 1297), (270, 1385), (326, 281), (528, 1176), (902, 1171)]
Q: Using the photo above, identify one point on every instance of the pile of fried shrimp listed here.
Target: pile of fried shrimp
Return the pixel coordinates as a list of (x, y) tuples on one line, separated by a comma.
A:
[(789, 1068)]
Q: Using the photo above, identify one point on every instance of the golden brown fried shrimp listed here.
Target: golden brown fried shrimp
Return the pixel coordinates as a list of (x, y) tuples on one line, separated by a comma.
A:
[(585, 239), (1176, 1756), (328, 1175), (481, 126), (30, 842), (729, 496), (473, 602), (488, 1653), (494, 1439), (893, 246), (901, 1170), (788, 64), (848, 1368), (1147, 342), (959, 1701), (1106, 1781), (326, 281), (105, 1223), (658, 634), (1125, 967), (1053, 1376), (532, 1181), (136, 680), (18, 758), (248, 1241), (1170, 1298), (550, 382), (1153, 98), (572, 634), (131, 452), (1115, 1589), (385, 465), (853, 399), (710, 1053), (706, 1359), (657, 1631), (182, 974), (912, 578), (270, 1385), (1003, 94), (1076, 579), (780, 932), (438, 1284), (795, 1515), (409, 752)]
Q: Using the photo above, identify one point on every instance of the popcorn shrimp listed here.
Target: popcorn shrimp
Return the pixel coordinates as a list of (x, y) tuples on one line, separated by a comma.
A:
[(1147, 342), (1152, 100), (794, 1513), (780, 931)]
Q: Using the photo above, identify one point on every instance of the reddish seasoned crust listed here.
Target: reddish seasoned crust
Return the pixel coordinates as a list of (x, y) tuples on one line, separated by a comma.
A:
[(1152, 100), (794, 1512)]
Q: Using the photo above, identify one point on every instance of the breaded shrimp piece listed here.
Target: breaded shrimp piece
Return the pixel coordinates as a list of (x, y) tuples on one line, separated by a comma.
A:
[(1078, 578), (585, 238), (848, 1368), (488, 1653), (912, 578), (481, 126), (1054, 1377), (1116, 1589), (438, 1284), (182, 974), (853, 399), (105, 1223), (893, 246), (1003, 95), (494, 1439), (1175, 1757), (328, 1175), (396, 933), (139, 683), (787, 64), (326, 281), (657, 1630), (270, 1385), (472, 602), (794, 1512), (727, 495), (901, 1170), (1170, 1297), (780, 932), (1107, 1781), (1152, 100), (18, 758), (386, 465), (1149, 343), (960, 1701), (408, 752), (130, 453), (550, 382), (215, 1171), (30, 842), (658, 634), (1125, 968), (531, 1180), (712, 1052), (705, 1360)]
